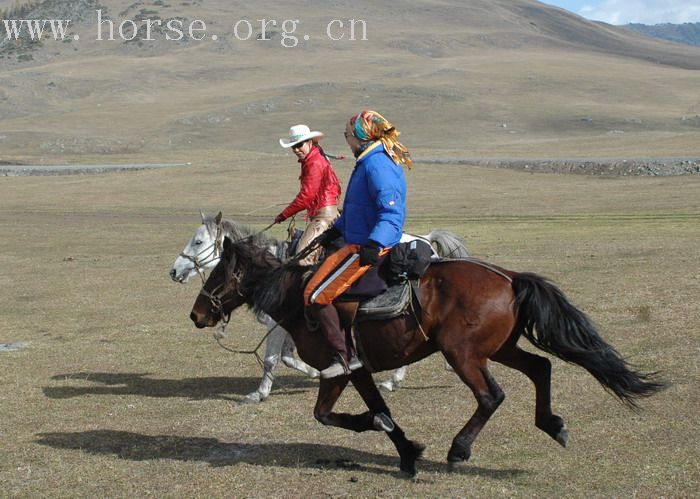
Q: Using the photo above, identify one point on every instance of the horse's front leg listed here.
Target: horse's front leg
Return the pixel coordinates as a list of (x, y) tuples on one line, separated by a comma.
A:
[(409, 451), (328, 393), (273, 351), (378, 418)]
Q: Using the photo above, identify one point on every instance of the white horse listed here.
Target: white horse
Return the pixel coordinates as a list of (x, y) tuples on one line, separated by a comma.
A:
[(202, 253)]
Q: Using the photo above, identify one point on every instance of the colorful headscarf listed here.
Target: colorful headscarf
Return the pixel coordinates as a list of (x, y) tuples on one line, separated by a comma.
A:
[(370, 126)]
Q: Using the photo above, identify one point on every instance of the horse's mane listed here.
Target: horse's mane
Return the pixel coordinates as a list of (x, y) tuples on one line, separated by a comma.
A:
[(272, 287), (238, 232), (281, 292)]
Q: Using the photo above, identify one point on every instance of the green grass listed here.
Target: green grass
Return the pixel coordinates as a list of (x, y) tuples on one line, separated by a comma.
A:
[(119, 395)]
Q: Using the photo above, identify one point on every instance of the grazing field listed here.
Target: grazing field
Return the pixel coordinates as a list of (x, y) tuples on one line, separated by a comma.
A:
[(117, 394)]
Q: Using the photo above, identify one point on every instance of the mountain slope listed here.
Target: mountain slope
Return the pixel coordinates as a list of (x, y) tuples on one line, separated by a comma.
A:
[(458, 77), (688, 33)]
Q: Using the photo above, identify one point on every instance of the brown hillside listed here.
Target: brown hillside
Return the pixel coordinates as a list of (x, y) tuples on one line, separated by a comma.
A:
[(468, 78)]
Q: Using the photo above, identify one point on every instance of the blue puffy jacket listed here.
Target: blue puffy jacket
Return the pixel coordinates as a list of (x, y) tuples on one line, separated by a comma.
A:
[(375, 200)]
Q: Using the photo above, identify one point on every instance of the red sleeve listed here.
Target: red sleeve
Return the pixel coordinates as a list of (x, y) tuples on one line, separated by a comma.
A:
[(311, 176)]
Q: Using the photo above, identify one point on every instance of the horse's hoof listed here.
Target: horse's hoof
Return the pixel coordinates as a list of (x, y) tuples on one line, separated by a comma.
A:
[(453, 466), (253, 398), (563, 437), (408, 474), (458, 455), (408, 460), (408, 470), (387, 386)]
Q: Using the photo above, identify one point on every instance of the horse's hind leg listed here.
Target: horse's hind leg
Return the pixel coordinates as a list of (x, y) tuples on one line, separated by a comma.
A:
[(474, 372), (539, 370), (291, 361), (393, 384)]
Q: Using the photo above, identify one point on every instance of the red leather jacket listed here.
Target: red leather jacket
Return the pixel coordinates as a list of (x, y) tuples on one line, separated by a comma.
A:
[(319, 185)]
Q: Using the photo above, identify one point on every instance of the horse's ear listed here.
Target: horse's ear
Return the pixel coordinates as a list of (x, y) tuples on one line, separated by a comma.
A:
[(204, 218), (218, 218)]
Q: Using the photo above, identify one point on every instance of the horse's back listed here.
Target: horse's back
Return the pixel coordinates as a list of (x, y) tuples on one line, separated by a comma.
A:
[(469, 275), (469, 294)]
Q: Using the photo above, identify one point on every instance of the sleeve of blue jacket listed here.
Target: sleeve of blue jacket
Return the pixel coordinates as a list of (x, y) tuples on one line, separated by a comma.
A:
[(340, 223), (387, 188)]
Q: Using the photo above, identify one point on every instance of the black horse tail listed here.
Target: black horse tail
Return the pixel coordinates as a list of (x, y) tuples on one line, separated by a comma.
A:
[(553, 324)]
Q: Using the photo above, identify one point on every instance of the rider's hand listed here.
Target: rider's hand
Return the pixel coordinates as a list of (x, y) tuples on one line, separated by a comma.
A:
[(327, 237), (369, 254), (280, 218)]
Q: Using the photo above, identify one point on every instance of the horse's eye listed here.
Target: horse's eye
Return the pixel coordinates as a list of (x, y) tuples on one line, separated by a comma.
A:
[(197, 242)]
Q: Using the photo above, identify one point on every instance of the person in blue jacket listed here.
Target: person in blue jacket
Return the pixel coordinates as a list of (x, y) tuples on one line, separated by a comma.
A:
[(372, 219)]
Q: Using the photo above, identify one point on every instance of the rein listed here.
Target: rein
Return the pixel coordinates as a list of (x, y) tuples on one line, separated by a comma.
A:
[(219, 335), (215, 250), (220, 291)]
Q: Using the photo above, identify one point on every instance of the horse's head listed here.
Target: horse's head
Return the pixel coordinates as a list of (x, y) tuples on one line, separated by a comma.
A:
[(201, 253), (222, 292)]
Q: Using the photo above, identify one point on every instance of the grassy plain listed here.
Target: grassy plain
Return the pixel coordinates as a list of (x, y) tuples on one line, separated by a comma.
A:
[(119, 395)]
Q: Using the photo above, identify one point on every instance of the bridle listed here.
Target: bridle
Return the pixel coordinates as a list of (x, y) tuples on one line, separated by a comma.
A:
[(217, 297), (212, 254), (220, 291), (217, 294)]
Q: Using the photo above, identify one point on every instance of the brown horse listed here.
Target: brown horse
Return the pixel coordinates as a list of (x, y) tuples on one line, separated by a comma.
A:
[(470, 311)]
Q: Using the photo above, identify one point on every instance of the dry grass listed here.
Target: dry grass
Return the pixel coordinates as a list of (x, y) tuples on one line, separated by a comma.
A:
[(119, 395)]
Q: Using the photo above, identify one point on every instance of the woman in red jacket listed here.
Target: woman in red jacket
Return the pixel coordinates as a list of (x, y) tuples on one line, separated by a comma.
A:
[(320, 188)]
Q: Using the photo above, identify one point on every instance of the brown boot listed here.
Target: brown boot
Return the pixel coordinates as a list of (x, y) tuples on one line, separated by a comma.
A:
[(329, 323)]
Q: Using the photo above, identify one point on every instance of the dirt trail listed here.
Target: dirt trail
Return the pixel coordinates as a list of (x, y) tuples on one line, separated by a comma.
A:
[(584, 166), (7, 170)]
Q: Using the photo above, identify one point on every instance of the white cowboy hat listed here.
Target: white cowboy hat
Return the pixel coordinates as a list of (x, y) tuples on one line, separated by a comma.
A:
[(299, 133)]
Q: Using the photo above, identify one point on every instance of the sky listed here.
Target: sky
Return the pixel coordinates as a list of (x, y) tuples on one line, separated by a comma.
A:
[(633, 11)]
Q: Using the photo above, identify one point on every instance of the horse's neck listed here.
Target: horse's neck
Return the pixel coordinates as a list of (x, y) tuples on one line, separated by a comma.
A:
[(235, 231), (276, 291)]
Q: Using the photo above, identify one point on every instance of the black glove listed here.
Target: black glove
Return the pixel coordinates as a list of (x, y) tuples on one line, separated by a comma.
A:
[(369, 253), (327, 237)]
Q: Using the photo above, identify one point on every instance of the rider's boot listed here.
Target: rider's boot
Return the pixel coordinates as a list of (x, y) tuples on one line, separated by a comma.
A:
[(329, 323)]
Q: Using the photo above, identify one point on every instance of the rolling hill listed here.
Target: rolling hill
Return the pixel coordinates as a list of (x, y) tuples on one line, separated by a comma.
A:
[(459, 78)]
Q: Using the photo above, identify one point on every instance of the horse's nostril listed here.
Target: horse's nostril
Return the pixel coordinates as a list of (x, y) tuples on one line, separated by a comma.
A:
[(172, 273)]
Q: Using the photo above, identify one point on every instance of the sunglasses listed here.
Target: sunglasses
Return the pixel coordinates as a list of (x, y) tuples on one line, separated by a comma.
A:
[(299, 145)]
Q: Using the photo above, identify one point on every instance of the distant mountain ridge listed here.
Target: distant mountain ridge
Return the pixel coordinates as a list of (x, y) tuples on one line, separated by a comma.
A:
[(688, 33)]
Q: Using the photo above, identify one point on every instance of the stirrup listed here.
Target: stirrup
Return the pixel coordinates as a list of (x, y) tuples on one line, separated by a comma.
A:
[(355, 363)]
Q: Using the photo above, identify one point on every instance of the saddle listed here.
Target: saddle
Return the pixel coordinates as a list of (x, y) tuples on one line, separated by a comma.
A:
[(392, 303), (400, 299)]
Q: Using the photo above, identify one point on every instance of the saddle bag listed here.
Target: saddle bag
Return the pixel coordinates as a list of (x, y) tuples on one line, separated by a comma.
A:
[(409, 260)]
